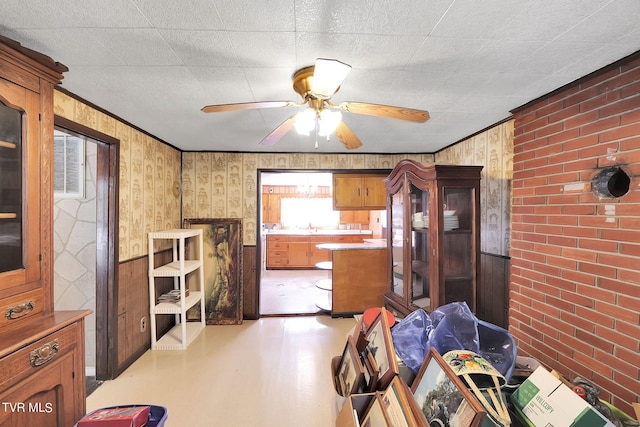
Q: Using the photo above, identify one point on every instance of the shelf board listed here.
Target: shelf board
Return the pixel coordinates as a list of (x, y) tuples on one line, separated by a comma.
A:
[(325, 265), (457, 278), (172, 340), (174, 307), (177, 233), (420, 267), (6, 144), (325, 284), (422, 302), (324, 302), (173, 268)]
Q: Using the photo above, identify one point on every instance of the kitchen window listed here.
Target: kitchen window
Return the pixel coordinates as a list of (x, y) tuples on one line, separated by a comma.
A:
[(302, 212)]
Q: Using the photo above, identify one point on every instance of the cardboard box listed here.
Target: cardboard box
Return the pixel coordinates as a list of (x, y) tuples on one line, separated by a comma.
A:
[(543, 400), (355, 405), (355, 408)]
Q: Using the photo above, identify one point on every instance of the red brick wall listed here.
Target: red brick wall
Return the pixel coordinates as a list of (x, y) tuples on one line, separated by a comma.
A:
[(575, 278)]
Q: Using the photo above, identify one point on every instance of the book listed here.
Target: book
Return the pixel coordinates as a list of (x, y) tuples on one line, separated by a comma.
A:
[(126, 416), (172, 296)]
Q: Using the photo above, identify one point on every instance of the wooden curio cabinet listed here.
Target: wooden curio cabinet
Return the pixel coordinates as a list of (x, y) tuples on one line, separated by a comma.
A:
[(41, 350), (433, 236)]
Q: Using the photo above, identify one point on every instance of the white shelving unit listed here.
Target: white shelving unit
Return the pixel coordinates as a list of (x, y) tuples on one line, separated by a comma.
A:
[(181, 335)]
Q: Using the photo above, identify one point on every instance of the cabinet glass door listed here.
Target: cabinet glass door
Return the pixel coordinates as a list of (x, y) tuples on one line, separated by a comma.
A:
[(420, 248), (458, 255), (10, 189), (397, 244)]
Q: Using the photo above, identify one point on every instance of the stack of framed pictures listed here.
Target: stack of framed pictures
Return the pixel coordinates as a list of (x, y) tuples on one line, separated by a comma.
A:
[(366, 374), (377, 395), (368, 361)]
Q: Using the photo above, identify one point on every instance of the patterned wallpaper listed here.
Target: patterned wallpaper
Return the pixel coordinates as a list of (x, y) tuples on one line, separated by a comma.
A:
[(149, 172), (492, 149), (224, 185)]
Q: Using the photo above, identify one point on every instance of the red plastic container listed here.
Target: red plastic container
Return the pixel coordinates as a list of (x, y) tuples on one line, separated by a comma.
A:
[(157, 414)]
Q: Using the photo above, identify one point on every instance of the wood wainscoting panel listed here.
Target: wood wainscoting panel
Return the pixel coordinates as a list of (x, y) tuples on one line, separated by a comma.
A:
[(493, 289), (250, 294), (133, 305)]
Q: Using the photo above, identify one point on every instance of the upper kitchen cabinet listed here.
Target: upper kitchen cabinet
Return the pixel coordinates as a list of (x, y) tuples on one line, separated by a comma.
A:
[(433, 236), (270, 206), (359, 191)]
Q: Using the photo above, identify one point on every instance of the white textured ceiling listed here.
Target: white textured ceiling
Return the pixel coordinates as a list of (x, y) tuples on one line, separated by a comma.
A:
[(156, 63)]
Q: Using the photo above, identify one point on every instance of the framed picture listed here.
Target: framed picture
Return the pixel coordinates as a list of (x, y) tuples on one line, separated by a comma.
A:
[(350, 369), (395, 401), (380, 345), (222, 252), (442, 396), (371, 366), (375, 416), (358, 334)]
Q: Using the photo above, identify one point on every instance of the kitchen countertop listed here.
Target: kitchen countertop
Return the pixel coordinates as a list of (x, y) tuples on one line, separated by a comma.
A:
[(376, 241), (303, 232), (350, 246)]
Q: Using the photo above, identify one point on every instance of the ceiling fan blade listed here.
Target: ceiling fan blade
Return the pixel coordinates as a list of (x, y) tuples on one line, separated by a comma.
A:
[(328, 75), (347, 137), (279, 132), (399, 113), (247, 106)]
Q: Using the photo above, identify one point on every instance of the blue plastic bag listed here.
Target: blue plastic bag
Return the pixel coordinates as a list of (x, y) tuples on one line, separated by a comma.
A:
[(453, 327), (498, 347), (411, 338)]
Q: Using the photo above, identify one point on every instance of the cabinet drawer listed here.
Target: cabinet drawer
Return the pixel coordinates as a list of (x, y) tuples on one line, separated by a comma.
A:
[(274, 238), (298, 238), (277, 262), (20, 364), (277, 246), (20, 307), (276, 253)]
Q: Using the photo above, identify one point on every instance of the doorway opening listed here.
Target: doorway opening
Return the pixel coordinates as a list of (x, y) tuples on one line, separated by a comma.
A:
[(85, 243), (75, 235), (292, 202)]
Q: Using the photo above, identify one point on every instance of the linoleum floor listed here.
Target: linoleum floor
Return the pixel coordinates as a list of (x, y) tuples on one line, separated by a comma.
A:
[(287, 292), (271, 372)]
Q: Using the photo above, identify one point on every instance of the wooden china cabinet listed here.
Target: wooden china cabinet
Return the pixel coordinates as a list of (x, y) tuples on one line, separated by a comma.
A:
[(433, 236), (42, 379)]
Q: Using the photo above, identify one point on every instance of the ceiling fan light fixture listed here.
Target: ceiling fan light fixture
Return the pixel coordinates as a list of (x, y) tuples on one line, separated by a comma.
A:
[(327, 77), (316, 84), (305, 121), (328, 121)]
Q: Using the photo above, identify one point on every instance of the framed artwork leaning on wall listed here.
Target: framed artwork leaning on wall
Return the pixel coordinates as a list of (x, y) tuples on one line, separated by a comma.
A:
[(222, 264)]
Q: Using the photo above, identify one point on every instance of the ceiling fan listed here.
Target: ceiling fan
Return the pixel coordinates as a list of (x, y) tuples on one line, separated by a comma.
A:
[(316, 84)]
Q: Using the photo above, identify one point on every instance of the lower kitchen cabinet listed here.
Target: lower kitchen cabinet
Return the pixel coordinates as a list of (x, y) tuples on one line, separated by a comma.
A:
[(300, 251)]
